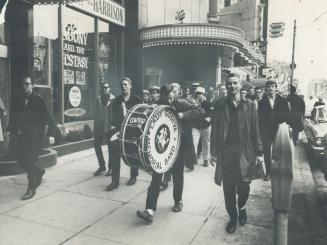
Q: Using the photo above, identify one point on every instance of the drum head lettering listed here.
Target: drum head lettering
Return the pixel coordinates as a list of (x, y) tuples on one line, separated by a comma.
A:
[(162, 140)]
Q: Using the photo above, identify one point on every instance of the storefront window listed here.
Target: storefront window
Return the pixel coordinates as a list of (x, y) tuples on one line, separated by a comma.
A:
[(45, 44), (106, 54), (44, 61), (78, 60), (2, 26)]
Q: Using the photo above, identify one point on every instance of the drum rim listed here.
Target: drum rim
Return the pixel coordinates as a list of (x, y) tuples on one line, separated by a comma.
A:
[(122, 134)]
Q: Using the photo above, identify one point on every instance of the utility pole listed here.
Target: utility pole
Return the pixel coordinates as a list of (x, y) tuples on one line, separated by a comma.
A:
[(293, 49)]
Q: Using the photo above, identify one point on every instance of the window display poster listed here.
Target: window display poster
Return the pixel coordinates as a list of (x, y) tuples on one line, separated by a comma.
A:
[(75, 57), (40, 61)]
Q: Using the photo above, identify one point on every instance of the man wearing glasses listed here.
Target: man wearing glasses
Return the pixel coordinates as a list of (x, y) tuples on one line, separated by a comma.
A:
[(28, 118), (101, 126)]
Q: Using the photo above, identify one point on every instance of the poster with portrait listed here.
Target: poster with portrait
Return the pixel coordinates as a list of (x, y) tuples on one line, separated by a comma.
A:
[(40, 61)]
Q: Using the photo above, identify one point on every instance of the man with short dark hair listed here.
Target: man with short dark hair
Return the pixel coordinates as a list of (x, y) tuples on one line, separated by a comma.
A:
[(237, 146), (146, 97), (258, 92), (243, 93), (120, 106), (272, 110), (101, 126), (186, 112), (250, 94), (28, 118), (154, 90)]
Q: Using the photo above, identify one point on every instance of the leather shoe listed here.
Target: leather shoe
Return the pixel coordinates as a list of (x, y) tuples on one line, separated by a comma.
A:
[(28, 194), (39, 178), (145, 215), (242, 217), (109, 173), (112, 186), (178, 207), (99, 171), (231, 227), (131, 181)]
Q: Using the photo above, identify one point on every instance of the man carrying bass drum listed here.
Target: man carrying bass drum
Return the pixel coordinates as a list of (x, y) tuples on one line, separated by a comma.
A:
[(187, 112)]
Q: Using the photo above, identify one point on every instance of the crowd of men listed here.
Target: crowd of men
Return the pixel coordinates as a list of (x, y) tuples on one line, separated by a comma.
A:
[(235, 127)]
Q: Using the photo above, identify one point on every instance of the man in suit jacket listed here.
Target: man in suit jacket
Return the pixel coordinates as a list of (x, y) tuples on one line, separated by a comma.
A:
[(272, 110), (120, 107), (101, 126), (237, 146), (28, 118), (186, 112), (297, 113)]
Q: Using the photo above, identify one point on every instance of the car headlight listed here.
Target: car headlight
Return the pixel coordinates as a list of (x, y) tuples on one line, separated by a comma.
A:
[(319, 141)]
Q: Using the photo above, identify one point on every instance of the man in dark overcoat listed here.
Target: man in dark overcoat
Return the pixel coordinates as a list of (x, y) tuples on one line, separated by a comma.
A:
[(28, 119), (297, 113), (119, 109), (237, 146), (272, 110), (101, 127), (186, 112)]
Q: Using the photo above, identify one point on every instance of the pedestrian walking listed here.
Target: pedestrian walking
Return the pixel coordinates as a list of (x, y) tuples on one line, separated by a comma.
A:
[(186, 112), (297, 113), (319, 102), (243, 93), (190, 158), (251, 94), (272, 110), (258, 92), (28, 118), (146, 97), (237, 148), (101, 127), (201, 130), (154, 90), (120, 106)]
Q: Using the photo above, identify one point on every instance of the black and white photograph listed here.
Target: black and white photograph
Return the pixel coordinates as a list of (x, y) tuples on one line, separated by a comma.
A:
[(163, 122)]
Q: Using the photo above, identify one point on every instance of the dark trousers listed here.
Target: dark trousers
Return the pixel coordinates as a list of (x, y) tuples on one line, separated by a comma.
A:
[(267, 146), (27, 151), (98, 140), (232, 185), (114, 159), (177, 172), (295, 135)]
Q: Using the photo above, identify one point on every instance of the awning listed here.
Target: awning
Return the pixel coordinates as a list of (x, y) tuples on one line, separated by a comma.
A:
[(205, 34)]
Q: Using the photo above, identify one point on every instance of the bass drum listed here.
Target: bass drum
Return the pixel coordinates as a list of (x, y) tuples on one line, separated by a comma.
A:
[(150, 138)]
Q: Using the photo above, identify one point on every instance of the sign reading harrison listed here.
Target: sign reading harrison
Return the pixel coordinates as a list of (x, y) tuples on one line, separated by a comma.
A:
[(105, 9)]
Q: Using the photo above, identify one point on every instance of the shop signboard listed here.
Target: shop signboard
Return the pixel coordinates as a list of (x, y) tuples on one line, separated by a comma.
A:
[(75, 112), (104, 9)]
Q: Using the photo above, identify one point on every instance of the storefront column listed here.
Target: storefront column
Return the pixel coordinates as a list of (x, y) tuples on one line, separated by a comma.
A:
[(218, 66), (122, 50), (61, 69), (96, 59)]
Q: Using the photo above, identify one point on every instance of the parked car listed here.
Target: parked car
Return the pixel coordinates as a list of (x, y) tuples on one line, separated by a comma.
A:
[(315, 128)]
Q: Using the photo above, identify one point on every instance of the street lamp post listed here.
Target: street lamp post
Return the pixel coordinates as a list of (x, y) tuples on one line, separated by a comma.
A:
[(293, 49)]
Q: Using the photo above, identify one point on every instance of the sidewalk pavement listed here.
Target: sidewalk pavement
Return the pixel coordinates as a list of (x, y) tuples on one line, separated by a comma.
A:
[(71, 207)]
